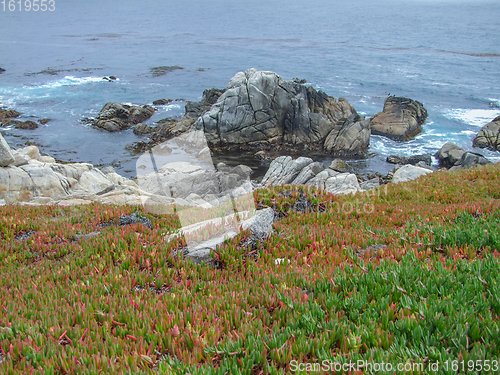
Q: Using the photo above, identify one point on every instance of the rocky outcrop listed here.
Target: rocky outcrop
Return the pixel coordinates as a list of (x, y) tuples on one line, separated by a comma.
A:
[(454, 157), (260, 109), (285, 170), (142, 129), (349, 138), (413, 160), (400, 120), (26, 125), (260, 225), (28, 177), (160, 173), (115, 116), (489, 136), (409, 172), (6, 116), (169, 128)]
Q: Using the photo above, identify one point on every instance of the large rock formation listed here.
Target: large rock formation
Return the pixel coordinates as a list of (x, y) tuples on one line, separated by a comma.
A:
[(400, 120), (489, 136), (285, 170), (115, 116), (260, 109), (454, 157)]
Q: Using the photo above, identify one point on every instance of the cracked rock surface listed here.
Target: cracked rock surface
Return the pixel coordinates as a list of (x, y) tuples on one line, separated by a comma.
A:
[(260, 108)]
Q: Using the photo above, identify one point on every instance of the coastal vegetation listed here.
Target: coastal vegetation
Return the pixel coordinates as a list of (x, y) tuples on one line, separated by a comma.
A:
[(407, 273)]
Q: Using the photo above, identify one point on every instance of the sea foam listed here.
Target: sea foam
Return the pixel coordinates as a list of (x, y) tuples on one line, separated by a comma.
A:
[(474, 117)]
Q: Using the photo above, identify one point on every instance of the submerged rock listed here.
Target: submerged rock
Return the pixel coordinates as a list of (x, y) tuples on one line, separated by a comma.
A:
[(489, 136), (413, 160), (115, 116), (400, 120), (27, 125)]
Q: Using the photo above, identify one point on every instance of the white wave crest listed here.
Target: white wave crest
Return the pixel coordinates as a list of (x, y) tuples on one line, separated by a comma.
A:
[(71, 81), (474, 117)]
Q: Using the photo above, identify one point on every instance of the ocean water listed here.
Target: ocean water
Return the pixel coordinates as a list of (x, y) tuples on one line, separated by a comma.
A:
[(443, 53)]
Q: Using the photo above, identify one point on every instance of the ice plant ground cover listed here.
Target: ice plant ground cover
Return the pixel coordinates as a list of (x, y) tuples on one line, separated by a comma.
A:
[(120, 302)]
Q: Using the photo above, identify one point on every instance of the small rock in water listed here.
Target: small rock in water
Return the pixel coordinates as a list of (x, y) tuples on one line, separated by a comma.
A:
[(162, 101), (44, 121), (135, 219), (162, 70), (26, 125), (2, 70)]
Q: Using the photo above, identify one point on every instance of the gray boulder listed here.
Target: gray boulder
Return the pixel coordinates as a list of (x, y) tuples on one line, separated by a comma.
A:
[(349, 138), (400, 120), (260, 108), (449, 155), (489, 136), (454, 157), (335, 182), (409, 172), (471, 159), (115, 116), (6, 156), (284, 169)]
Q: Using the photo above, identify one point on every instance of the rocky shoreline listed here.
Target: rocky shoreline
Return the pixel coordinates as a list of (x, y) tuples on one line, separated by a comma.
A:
[(258, 112)]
